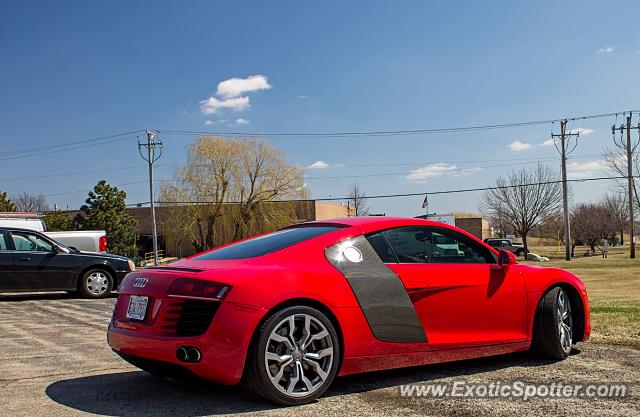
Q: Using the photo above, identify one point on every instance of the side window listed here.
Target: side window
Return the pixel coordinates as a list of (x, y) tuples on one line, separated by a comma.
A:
[(382, 248), (30, 242), (436, 245), (3, 241)]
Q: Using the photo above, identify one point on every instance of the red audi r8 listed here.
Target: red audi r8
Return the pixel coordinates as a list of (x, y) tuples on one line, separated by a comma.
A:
[(286, 312)]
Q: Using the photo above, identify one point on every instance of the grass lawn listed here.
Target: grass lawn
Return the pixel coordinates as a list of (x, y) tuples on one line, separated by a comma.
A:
[(614, 291)]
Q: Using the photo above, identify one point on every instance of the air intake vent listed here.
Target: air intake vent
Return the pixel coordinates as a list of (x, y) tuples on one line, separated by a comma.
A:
[(189, 317)]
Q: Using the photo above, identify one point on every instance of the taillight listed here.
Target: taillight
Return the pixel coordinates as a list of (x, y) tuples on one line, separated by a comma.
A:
[(102, 244), (186, 287)]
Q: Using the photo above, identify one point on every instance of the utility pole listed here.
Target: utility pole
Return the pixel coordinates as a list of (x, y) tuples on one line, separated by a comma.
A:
[(152, 157), (629, 148), (564, 151)]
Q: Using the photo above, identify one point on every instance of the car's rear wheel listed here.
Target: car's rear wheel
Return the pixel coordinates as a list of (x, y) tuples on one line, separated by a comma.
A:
[(553, 327), (294, 356), (95, 283)]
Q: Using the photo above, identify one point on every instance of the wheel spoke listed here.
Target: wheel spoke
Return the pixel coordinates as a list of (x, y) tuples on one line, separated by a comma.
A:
[(307, 331), (319, 354), (270, 356), (292, 329), (281, 339), (278, 376), (316, 367), (298, 372), (318, 336)]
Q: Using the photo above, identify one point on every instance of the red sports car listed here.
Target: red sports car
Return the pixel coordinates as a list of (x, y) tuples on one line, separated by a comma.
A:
[(286, 312)]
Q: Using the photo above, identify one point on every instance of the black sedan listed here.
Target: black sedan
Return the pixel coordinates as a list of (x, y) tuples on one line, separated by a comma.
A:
[(30, 261)]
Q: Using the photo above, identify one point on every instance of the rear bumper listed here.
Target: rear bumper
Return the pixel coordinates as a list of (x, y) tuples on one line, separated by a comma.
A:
[(224, 345)]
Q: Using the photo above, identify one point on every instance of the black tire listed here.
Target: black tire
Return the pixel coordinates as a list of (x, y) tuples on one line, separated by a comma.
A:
[(549, 340), (87, 288), (257, 379)]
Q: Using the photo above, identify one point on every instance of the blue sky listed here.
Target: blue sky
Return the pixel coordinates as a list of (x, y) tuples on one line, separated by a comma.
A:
[(76, 70)]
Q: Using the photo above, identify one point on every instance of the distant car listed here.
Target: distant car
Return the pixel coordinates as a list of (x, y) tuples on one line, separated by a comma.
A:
[(31, 261), (82, 240), (286, 312), (506, 244)]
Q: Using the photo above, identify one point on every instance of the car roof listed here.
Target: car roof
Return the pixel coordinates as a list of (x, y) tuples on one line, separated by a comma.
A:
[(370, 223), (19, 229)]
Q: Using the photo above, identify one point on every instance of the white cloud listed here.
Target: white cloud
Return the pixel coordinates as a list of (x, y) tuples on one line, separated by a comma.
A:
[(587, 169), (431, 170), (209, 122), (605, 50), (318, 165), (517, 146), (240, 121), (213, 105), (467, 171), (548, 142), (235, 87), (583, 131)]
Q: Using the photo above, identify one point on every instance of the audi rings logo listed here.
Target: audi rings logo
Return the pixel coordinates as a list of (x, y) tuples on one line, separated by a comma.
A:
[(140, 282)]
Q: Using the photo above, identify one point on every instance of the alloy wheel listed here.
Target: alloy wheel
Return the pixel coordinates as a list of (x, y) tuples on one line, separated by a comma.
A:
[(299, 355), (565, 321)]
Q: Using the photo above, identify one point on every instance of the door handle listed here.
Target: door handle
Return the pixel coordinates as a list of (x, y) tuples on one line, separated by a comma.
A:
[(24, 259)]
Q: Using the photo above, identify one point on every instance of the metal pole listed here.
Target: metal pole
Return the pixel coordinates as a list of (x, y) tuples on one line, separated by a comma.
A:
[(154, 231), (630, 186), (565, 198)]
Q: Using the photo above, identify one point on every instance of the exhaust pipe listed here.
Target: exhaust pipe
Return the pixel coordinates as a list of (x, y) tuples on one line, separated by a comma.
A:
[(182, 355), (188, 354)]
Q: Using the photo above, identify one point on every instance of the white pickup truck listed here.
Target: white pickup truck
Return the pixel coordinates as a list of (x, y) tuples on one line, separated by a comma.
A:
[(82, 240)]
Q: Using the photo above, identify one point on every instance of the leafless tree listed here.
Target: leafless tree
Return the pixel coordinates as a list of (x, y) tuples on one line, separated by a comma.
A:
[(525, 197), (616, 160), (617, 210), (357, 201), (592, 222), (36, 203)]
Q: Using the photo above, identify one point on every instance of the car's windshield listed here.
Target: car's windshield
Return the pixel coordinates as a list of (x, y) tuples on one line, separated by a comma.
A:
[(265, 244)]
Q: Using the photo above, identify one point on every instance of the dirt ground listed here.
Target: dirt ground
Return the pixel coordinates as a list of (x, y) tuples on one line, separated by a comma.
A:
[(55, 362)]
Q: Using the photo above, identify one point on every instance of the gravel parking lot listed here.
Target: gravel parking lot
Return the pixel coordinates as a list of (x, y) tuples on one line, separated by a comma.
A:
[(55, 361)]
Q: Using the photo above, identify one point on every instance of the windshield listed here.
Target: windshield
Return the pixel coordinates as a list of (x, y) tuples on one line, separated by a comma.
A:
[(265, 244)]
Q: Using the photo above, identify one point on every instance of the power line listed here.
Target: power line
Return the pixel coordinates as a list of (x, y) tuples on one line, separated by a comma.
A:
[(383, 132), (91, 189), (61, 148), (71, 143), (420, 194)]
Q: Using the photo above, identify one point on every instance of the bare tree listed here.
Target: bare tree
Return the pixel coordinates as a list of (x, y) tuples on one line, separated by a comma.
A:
[(357, 201), (526, 198), (616, 160), (617, 210), (36, 203), (592, 222)]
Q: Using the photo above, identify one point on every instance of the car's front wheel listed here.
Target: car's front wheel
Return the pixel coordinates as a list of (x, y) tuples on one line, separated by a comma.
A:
[(294, 357), (95, 283), (553, 326)]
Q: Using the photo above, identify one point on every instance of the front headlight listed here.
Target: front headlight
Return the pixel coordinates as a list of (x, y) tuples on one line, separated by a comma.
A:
[(132, 266)]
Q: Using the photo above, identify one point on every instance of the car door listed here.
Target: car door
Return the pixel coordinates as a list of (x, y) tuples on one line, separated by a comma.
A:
[(6, 262), (462, 296), (38, 265)]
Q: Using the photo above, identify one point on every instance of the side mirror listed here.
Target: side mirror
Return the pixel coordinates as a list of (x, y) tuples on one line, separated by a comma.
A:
[(506, 258)]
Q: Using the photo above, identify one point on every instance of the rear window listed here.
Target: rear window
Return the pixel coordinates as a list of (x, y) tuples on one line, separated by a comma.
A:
[(263, 245)]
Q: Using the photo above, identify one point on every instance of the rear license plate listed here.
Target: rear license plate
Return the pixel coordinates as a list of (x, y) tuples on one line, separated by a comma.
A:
[(137, 307)]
